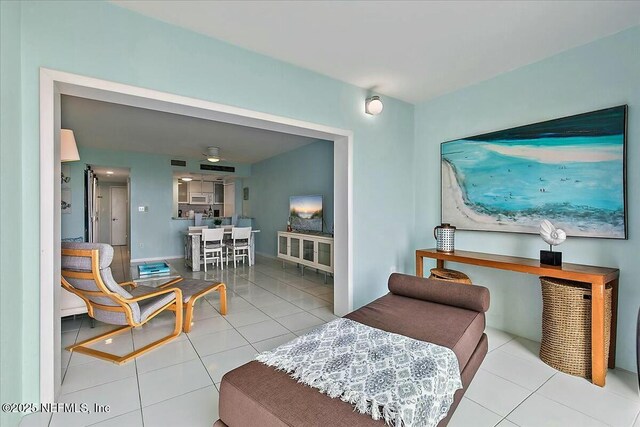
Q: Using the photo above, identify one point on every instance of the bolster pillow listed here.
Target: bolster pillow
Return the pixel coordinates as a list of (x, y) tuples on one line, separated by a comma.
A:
[(471, 297)]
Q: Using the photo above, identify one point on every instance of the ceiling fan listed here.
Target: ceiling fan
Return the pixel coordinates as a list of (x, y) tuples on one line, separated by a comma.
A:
[(213, 154)]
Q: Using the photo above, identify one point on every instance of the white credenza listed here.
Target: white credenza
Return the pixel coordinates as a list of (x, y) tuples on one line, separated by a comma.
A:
[(308, 250)]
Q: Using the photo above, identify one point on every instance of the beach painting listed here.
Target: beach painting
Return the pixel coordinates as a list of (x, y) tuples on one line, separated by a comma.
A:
[(305, 213), (570, 171)]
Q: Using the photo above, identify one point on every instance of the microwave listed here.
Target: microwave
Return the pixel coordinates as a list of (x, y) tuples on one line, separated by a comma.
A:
[(200, 199)]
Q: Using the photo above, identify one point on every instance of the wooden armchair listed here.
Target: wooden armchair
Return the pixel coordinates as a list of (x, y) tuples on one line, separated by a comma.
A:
[(86, 272)]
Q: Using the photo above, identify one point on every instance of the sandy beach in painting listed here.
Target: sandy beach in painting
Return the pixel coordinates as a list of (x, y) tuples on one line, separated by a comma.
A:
[(559, 155), (464, 217)]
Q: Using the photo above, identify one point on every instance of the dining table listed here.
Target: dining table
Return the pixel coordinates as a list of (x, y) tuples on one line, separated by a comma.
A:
[(193, 247)]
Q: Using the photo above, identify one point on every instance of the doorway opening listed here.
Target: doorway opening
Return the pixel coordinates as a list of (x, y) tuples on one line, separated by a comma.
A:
[(112, 208), (53, 84)]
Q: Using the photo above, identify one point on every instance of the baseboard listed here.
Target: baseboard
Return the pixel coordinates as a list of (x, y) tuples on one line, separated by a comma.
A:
[(267, 255), (159, 258)]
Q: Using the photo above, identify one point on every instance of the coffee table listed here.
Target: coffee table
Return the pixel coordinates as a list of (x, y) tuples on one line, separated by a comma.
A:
[(192, 289), (154, 280)]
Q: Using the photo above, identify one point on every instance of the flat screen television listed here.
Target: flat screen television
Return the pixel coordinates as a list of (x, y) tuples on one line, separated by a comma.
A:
[(305, 213)]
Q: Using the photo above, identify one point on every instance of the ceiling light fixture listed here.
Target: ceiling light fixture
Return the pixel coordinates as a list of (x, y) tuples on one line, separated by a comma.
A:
[(373, 105), (109, 172), (68, 147), (213, 154), (186, 178)]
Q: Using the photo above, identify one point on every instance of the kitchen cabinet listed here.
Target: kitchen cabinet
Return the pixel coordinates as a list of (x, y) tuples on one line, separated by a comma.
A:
[(218, 193), (183, 192), (195, 187), (229, 199), (201, 187), (207, 187)]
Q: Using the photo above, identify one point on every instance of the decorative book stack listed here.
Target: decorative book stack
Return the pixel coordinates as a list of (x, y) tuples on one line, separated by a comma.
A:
[(155, 269)]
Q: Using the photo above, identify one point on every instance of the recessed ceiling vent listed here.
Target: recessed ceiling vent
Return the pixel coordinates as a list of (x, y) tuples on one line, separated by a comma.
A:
[(217, 168), (182, 163)]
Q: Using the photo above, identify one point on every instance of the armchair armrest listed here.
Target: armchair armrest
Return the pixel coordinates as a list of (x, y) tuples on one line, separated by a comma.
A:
[(132, 284)]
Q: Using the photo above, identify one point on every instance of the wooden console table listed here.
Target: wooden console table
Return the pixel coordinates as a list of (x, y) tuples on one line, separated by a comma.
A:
[(598, 277)]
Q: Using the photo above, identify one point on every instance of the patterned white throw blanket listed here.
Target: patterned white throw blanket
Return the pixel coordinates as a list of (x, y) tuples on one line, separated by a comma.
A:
[(405, 381)]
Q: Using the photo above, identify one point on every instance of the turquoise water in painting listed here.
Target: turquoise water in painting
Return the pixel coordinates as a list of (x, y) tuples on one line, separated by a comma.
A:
[(577, 180)]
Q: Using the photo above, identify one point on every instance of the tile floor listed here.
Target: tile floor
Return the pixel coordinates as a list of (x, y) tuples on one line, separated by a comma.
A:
[(177, 384)]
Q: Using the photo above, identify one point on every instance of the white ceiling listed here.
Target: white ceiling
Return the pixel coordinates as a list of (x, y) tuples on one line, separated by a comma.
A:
[(120, 127), (412, 50)]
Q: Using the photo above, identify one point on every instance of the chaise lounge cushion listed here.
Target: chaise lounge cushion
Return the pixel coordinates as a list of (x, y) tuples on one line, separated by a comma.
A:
[(456, 328), (444, 313)]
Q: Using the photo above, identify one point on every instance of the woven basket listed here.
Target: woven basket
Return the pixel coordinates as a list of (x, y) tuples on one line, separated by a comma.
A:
[(449, 276), (566, 325)]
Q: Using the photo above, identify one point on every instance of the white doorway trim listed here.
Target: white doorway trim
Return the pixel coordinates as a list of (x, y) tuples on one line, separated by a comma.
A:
[(55, 83)]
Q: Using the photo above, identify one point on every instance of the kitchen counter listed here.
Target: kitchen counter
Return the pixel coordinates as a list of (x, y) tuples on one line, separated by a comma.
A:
[(225, 219)]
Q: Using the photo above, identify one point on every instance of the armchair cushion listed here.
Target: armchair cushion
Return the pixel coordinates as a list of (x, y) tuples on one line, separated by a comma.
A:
[(148, 306), (83, 263), (105, 252)]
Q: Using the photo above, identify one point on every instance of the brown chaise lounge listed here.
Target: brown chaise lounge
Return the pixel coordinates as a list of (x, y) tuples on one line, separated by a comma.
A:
[(444, 313)]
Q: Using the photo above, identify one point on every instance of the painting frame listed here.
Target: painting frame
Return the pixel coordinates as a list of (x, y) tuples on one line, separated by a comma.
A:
[(619, 227)]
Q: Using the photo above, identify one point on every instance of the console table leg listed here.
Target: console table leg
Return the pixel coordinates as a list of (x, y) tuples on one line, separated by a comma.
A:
[(440, 263), (419, 266), (614, 323), (598, 364)]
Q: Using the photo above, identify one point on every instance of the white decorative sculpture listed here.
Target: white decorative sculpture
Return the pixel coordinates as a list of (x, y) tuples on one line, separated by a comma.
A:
[(553, 236)]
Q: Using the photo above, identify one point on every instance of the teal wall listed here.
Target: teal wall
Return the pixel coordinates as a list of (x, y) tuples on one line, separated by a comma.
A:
[(11, 243), (601, 74), (153, 233), (304, 171), (101, 40)]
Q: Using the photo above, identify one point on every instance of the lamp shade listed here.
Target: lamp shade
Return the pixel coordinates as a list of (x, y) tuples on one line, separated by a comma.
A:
[(373, 106), (68, 147)]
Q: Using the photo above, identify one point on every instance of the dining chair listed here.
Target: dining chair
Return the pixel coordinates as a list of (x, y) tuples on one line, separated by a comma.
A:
[(239, 244), (212, 246), (86, 272), (228, 228)]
